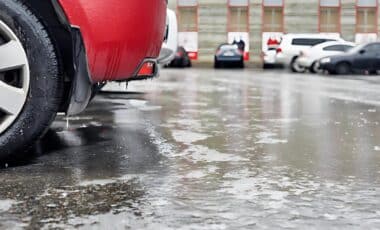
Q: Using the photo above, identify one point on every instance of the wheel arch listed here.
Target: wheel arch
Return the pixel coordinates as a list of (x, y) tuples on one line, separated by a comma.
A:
[(293, 59), (53, 18), (70, 52), (343, 62)]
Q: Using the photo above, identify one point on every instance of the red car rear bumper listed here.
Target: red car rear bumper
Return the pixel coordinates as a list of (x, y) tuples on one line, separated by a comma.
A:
[(118, 34)]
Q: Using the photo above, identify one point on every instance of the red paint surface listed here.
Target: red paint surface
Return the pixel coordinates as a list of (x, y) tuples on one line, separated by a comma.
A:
[(193, 55), (118, 34), (246, 56)]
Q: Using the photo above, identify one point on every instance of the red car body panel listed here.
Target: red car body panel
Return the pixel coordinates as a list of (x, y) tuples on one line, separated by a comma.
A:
[(118, 34)]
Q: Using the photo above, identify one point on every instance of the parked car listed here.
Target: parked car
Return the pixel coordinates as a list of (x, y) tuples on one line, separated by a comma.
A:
[(269, 59), (229, 55), (169, 47), (181, 59), (53, 52), (292, 45), (309, 59), (364, 57)]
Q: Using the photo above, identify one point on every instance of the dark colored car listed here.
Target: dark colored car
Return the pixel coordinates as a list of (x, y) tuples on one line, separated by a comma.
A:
[(229, 55), (181, 60), (361, 58)]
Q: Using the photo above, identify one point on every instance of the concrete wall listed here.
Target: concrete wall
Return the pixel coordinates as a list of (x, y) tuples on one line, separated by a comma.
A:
[(299, 17), (348, 19), (212, 27)]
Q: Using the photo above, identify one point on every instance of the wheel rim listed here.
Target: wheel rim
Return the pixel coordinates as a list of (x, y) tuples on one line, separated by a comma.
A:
[(317, 67), (14, 77), (298, 68)]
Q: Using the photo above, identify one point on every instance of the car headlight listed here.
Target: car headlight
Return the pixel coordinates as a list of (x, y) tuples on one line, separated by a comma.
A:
[(325, 60)]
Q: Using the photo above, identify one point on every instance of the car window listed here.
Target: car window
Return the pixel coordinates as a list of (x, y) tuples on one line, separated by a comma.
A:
[(309, 41), (372, 49), (228, 47), (357, 49), (341, 48), (334, 48), (347, 48)]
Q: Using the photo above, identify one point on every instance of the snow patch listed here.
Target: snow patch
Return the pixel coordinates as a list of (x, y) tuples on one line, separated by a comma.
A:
[(269, 138), (199, 153), (188, 137), (5, 205)]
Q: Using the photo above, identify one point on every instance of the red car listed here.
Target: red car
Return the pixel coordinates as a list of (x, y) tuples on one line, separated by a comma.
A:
[(53, 53)]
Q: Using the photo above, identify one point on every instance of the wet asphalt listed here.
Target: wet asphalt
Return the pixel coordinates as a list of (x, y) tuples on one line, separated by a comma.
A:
[(207, 149)]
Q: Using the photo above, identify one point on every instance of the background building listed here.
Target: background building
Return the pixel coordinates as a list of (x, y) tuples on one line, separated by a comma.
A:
[(204, 24)]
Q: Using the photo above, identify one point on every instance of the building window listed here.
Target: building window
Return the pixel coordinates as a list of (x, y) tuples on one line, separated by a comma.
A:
[(366, 16), (273, 18), (187, 16), (238, 11), (329, 16)]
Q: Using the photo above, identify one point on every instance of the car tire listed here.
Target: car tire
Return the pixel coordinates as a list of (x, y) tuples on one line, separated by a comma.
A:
[(373, 72), (268, 66), (295, 68), (216, 64), (331, 72), (343, 68), (183, 63), (314, 68), (42, 84), (241, 64)]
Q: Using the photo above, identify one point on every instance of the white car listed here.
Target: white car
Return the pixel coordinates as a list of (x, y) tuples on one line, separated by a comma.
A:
[(269, 58), (309, 59), (292, 45), (170, 45)]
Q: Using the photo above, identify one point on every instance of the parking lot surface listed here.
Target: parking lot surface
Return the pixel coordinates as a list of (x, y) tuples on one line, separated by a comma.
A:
[(207, 149)]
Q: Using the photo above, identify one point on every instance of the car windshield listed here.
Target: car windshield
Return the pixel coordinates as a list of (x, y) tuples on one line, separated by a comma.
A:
[(357, 49), (228, 47)]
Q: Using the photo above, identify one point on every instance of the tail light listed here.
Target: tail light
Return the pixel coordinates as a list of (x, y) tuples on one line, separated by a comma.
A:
[(147, 69), (278, 50), (218, 52)]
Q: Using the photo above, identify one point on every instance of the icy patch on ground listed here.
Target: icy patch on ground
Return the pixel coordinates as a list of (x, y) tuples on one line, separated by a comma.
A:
[(195, 174), (137, 103), (151, 108), (269, 138), (5, 205), (195, 104), (199, 153), (142, 105), (188, 137), (96, 182), (283, 120), (256, 190), (163, 146), (185, 123)]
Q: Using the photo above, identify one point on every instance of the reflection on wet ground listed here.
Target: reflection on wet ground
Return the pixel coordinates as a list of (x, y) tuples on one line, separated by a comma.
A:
[(205, 149)]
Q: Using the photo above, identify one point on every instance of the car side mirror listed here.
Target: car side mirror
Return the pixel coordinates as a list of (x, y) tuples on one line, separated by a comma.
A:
[(362, 51)]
